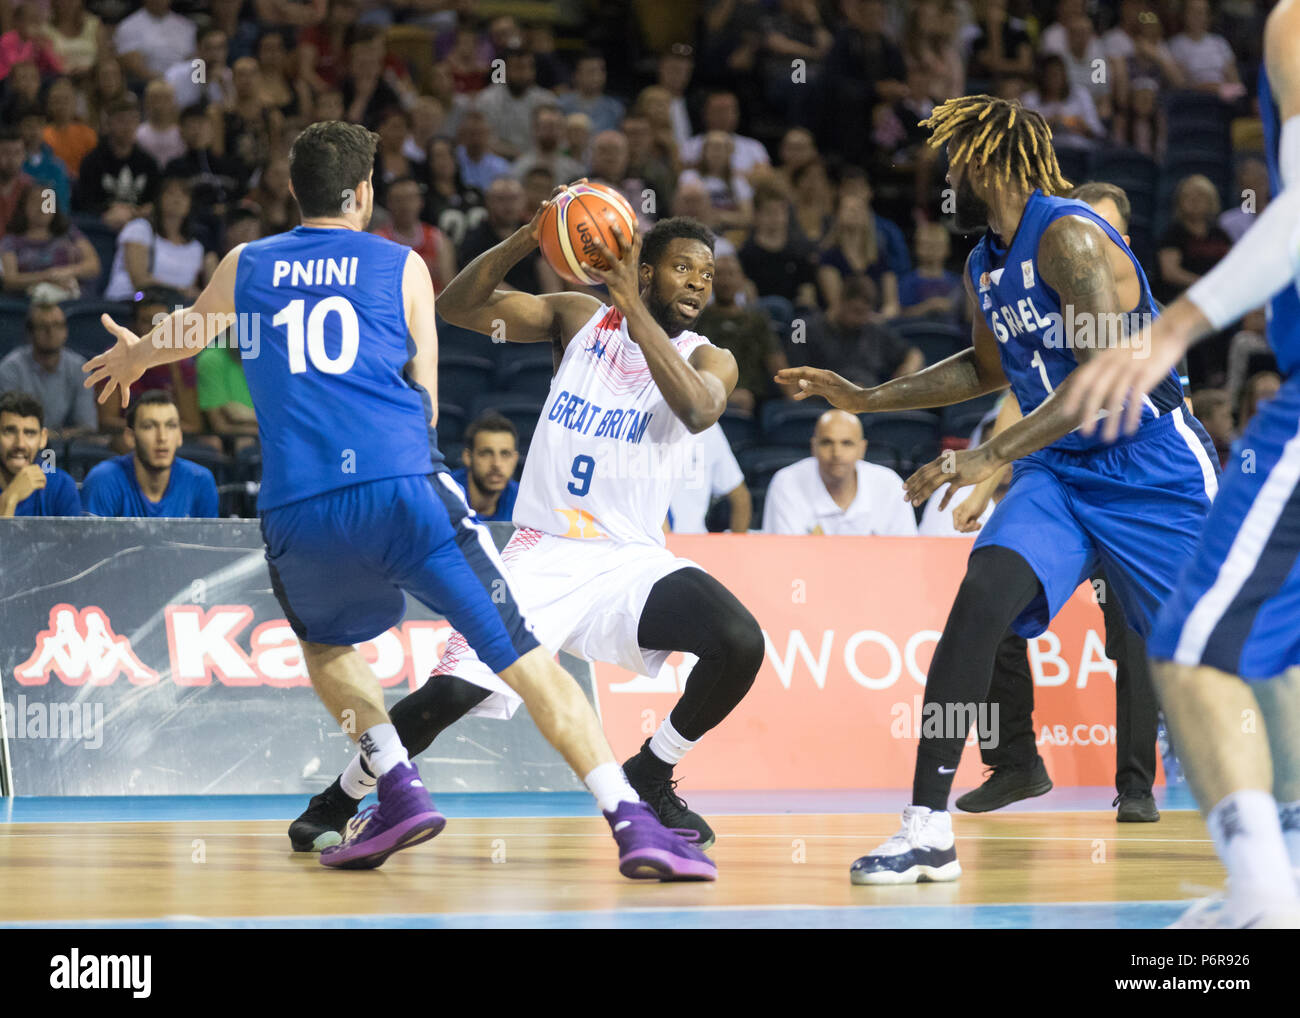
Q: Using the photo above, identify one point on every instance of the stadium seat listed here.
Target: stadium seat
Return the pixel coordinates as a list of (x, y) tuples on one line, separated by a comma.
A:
[(452, 339), (452, 419), (1076, 163), (522, 411), (462, 378), (219, 463), (914, 433), (936, 340), (1184, 107), (104, 240), (884, 455), (1129, 169), (86, 333), (82, 456), (785, 422), (740, 429), (960, 419), (761, 462), (528, 377), (13, 324)]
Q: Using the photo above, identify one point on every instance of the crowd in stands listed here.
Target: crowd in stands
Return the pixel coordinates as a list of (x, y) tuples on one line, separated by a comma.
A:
[(141, 141)]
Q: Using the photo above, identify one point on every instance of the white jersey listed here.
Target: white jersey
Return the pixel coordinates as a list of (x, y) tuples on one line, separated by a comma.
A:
[(608, 453)]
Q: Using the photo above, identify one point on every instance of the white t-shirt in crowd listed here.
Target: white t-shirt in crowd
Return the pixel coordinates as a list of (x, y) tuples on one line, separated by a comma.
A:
[(163, 41), (710, 472), (936, 522), (176, 265), (1205, 60), (797, 502), (746, 153), (164, 145)]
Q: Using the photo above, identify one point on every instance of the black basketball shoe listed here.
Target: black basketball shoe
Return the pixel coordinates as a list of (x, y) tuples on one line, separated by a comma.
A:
[(652, 779), (322, 822), (1007, 784), (1136, 807)]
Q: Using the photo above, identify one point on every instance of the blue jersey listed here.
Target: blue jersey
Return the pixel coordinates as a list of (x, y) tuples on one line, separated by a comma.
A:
[(58, 498), (1284, 309), (327, 375), (111, 489), (505, 504), (1035, 335)]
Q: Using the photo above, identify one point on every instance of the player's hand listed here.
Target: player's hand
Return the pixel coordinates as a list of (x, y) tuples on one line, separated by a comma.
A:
[(623, 277), (26, 482), (837, 391), (966, 515), (1112, 382), (955, 468), (118, 366), (535, 224)]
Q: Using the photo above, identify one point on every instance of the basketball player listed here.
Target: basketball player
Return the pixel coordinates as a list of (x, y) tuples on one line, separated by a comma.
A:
[(1233, 615), (1047, 275), (356, 505), (588, 560)]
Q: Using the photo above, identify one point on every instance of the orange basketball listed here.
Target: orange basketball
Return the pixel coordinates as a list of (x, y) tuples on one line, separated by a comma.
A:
[(574, 221)]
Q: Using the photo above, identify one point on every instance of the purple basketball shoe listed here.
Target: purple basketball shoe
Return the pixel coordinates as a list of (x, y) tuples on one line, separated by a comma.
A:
[(403, 817), (647, 850)]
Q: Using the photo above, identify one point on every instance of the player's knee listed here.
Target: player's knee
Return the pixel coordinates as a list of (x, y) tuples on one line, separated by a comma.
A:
[(741, 641)]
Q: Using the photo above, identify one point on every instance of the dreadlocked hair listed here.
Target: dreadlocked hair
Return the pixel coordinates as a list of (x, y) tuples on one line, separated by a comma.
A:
[(1001, 135)]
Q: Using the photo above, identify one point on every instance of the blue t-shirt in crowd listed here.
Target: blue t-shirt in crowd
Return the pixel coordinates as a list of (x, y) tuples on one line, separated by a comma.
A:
[(505, 504), (111, 489), (914, 288), (58, 498)]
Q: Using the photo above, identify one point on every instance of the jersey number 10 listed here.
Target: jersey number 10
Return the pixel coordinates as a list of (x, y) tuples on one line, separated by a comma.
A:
[(310, 341)]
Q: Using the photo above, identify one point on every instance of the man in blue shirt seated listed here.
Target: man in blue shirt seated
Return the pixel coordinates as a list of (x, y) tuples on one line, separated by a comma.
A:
[(490, 456), (151, 481), (27, 488)]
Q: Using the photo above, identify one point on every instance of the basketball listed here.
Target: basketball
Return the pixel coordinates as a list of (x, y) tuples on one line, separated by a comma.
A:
[(572, 224)]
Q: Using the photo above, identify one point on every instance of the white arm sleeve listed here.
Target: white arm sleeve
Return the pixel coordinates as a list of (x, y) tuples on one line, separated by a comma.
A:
[(1267, 258)]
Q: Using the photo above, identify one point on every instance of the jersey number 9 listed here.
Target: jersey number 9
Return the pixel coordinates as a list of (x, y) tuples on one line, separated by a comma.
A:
[(583, 468)]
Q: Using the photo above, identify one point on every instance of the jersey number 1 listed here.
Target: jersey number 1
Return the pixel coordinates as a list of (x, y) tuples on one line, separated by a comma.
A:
[(310, 341), (1042, 370)]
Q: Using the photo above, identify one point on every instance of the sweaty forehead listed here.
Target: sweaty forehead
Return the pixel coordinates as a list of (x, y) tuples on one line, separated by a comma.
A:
[(688, 249)]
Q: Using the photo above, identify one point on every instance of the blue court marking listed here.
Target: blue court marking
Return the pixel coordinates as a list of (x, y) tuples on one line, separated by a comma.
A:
[(491, 805), (1129, 915)]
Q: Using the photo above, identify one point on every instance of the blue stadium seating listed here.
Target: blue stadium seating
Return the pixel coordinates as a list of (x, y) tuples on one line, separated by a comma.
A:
[(86, 334), (1135, 172), (452, 339), (936, 340), (960, 419), (452, 419), (914, 433), (785, 422), (1076, 163), (462, 378), (884, 455), (528, 377), (104, 240), (740, 428), (82, 455), (522, 411), (221, 465), (13, 324)]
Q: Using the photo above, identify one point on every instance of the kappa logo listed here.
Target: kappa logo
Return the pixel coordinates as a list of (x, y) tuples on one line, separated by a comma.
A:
[(80, 647)]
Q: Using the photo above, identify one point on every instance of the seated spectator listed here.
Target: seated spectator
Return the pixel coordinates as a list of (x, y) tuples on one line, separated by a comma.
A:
[(588, 95), (722, 113), (1253, 191), (1068, 109), (428, 116), (1258, 390), (853, 341), (450, 204), (322, 49), (245, 127), (13, 181), (1055, 37), (745, 331), (50, 372), (43, 255), (479, 165), (21, 88), (41, 164), (430, 243), (505, 214), (160, 134), (68, 137), (224, 398), (813, 199), (1001, 44), (1140, 122), (271, 198), (676, 65), (151, 480), (1213, 409), (609, 155), (778, 260), (27, 487), (118, 180), (179, 379), (25, 43), (1083, 53), (217, 83), (860, 242), (1194, 242), (77, 37), (280, 91), (577, 137), (1247, 351), (711, 472), (107, 86), (835, 491), (729, 191), (466, 61), (795, 31), (547, 138), (490, 456), (1206, 60), (798, 150), (538, 187), (647, 167), (509, 105), (930, 289), (153, 39), (692, 201), (215, 181), (933, 47), (161, 250), (656, 105)]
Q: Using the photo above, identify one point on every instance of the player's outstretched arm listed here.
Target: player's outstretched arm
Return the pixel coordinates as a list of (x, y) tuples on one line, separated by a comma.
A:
[(183, 333), (472, 300), (956, 379)]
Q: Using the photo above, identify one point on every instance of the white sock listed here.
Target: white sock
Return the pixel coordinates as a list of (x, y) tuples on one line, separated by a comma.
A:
[(609, 785), (669, 745), (1248, 837), (355, 780), (383, 749), (1289, 815)]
